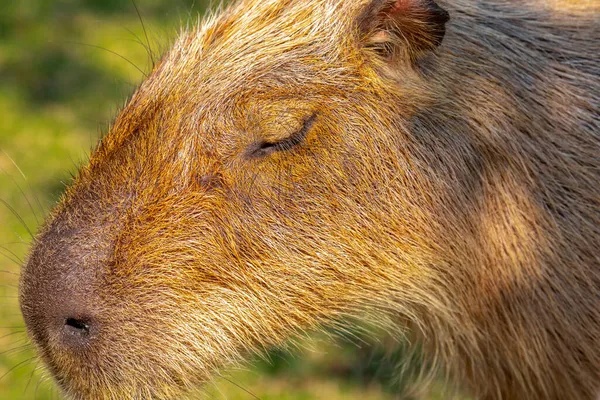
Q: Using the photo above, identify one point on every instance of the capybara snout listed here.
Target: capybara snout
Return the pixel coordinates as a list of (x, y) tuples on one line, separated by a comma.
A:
[(291, 163)]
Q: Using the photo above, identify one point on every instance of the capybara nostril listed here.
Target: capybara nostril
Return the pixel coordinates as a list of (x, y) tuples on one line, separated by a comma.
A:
[(77, 327), (77, 333)]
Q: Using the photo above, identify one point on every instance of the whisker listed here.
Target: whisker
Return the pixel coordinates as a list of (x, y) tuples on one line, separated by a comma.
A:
[(137, 39), (37, 220), (17, 366), (18, 242), (72, 175), (16, 214), (239, 386), (35, 367), (37, 386), (20, 237), (35, 197), (8, 272), (12, 333), (148, 48), (52, 393), (19, 348), (218, 389), (15, 164), (17, 315), (11, 253), (8, 285), (16, 262), (112, 52)]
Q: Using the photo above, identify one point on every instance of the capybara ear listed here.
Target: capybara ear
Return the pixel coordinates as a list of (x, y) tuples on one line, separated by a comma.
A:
[(396, 28)]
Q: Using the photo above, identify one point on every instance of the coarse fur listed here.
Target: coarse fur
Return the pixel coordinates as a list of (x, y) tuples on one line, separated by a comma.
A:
[(291, 163)]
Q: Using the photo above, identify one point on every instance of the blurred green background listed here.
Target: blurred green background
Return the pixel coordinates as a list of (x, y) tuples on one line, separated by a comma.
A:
[(66, 67)]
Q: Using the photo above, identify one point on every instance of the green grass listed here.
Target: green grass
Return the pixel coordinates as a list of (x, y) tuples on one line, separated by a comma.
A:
[(61, 83)]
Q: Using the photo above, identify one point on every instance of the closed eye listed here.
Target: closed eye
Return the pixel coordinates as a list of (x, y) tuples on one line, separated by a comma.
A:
[(264, 148)]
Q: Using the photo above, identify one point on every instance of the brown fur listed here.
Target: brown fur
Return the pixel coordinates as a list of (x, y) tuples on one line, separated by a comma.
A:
[(455, 187)]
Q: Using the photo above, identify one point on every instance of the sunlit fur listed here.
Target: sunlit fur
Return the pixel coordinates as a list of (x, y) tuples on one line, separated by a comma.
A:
[(456, 188)]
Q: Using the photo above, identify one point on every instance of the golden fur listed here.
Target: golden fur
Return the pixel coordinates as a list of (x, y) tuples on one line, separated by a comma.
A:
[(456, 187)]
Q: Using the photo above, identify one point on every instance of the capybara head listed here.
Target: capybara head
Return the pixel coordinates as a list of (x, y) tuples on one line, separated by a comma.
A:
[(290, 163)]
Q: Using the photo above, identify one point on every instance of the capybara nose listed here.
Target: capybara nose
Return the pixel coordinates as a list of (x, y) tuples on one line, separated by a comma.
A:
[(57, 294), (58, 318), (63, 321)]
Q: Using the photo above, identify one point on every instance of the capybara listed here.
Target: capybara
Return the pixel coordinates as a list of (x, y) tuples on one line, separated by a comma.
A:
[(292, 163)]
